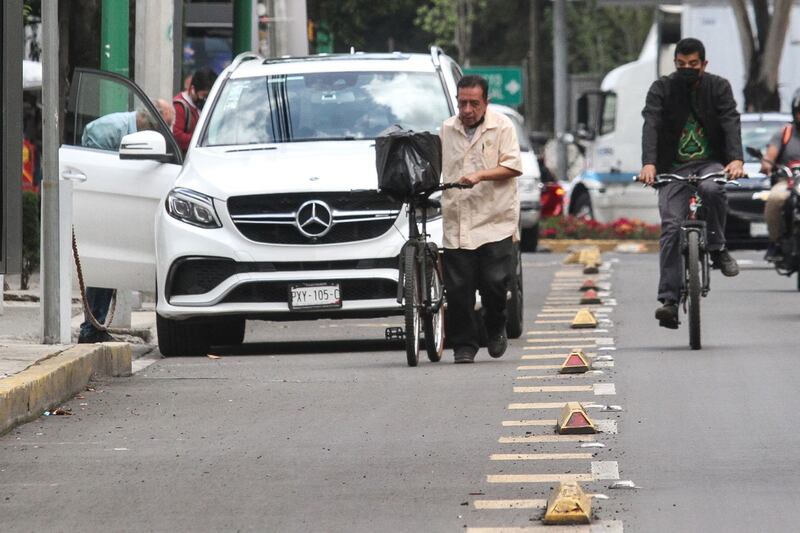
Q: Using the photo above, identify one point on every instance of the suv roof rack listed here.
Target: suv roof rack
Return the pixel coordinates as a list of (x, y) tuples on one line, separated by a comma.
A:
[(435, 53), (244, 56), (327, 57)]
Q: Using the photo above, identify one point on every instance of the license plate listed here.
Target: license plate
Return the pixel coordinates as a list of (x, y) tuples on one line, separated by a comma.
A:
[(758, 229), (315, 296)]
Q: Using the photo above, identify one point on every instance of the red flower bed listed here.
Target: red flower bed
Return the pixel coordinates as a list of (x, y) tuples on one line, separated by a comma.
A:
[(578, 228)]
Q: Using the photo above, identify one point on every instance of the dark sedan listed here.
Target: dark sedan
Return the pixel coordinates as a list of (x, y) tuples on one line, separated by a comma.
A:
[(746, 226)]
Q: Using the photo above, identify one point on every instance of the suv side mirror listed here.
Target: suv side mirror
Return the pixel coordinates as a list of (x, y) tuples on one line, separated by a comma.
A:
[(145, 145)]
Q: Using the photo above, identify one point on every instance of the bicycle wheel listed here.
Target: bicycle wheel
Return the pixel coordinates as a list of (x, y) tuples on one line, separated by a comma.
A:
[(693, 269), (433, 322), (411, 298)]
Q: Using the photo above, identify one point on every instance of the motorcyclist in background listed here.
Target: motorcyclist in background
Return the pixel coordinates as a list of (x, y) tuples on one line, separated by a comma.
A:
[(783, 149)]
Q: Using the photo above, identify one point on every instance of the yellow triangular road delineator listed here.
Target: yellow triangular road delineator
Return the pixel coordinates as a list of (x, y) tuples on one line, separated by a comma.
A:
[(574, 420), (568, 504), (575, 363), (584, 319)]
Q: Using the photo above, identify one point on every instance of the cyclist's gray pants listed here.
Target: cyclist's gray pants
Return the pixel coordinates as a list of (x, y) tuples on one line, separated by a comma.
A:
[(673, 206)]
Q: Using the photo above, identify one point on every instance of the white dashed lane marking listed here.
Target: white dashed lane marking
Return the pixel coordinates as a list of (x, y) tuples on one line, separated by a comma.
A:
[(598, 526), (539, 456), (545, 438)]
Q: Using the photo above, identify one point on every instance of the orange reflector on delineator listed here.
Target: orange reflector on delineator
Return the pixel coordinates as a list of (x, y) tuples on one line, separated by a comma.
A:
[(590, 297), (575, 363), (568, 504), (574, 420), (588, 285), (584, 319)]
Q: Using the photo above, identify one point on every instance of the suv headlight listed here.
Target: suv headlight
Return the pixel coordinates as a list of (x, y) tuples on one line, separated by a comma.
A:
[(193, 208)]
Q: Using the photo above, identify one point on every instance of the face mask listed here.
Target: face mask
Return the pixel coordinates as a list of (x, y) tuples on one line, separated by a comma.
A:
[(200, 103), (688, 75)]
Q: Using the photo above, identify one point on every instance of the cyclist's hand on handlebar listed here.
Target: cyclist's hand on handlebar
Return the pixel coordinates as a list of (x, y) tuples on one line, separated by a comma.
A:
[(471, 179), (735, 170), (648, 174)]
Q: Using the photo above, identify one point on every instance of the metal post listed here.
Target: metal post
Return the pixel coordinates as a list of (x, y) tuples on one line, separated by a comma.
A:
[(560, 68), (242, 26), (292, 27), (154, 47), (55, 322)]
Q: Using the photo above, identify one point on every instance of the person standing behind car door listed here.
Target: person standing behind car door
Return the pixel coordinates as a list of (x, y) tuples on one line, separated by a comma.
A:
[(188, 105), (480, 149), (106, 133)]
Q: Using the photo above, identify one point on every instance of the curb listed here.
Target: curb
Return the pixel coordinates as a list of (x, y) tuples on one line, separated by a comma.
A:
[(46, 384), (610, 245)]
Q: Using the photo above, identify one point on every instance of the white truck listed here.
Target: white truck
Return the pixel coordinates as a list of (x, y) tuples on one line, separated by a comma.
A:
[(610, 121)]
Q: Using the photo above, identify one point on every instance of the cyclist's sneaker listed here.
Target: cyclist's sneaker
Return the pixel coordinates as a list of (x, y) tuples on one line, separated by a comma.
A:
[(497, 344), (464, 354), (722, 260), (667, 315)]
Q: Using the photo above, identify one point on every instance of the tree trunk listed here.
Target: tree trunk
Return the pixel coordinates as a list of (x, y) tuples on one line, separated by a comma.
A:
[(533, 107)]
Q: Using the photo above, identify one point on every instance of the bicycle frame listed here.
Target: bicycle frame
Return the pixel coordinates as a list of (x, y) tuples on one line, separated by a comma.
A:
[(419, 239)]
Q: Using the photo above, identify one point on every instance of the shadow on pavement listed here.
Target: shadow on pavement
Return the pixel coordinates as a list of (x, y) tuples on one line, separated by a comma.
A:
[(310, 347)]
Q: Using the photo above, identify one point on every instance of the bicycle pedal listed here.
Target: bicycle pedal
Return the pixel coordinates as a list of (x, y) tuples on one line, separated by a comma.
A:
[(395, 333)]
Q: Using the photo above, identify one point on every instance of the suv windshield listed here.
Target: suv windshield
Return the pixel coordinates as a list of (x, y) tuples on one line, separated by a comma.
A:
[(325, 106)]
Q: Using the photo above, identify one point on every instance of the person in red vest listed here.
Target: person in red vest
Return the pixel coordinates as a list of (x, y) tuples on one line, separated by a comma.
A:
[(188, 104)]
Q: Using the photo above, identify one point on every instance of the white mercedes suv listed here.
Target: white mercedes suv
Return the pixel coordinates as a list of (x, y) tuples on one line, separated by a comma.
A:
[(274, 213)]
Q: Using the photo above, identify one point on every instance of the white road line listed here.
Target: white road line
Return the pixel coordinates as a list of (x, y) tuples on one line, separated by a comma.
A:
[(598, 340), (556, 388), (509, 504), (520, 423), (536, 405), (552, 356), (537, 478), (558, 376), (564, 332), (545, 438), (599, 526), (539, 367), (605, 470), (604, 389), (539, 456), (560, 346)]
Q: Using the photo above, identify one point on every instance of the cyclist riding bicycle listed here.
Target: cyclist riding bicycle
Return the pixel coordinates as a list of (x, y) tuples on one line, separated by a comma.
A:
[(691, 126)]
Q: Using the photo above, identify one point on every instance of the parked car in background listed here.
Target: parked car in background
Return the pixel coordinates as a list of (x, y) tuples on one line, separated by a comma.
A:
[(528, 184), (746, 225)]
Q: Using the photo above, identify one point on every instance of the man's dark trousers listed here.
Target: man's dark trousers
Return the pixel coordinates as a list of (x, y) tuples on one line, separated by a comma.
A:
[(487, 269), (673, 205)]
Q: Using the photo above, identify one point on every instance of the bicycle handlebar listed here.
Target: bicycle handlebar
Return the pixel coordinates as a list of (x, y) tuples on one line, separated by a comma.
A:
[(662, 179)]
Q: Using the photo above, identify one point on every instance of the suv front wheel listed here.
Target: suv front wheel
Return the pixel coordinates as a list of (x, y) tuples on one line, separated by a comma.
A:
[(181, 337)]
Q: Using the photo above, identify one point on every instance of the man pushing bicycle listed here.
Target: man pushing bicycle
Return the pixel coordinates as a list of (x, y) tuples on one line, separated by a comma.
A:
[(691, 127)]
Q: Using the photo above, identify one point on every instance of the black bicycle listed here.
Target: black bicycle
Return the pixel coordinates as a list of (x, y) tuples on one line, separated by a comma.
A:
[(421, 287), (694, 251)]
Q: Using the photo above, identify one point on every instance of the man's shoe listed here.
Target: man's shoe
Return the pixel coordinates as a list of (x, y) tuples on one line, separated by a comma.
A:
[(667, 315), (96, 336), (464, 354), (722, 260), (497, 344), (773, 254)]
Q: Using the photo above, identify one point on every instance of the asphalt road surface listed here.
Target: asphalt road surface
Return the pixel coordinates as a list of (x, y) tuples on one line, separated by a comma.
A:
[(336, 433)]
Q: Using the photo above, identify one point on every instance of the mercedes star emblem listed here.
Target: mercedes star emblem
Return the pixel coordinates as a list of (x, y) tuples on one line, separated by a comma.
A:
[(314, 219)]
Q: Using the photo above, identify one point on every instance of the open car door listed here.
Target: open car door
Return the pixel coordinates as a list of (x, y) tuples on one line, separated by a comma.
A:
[(115, 200)]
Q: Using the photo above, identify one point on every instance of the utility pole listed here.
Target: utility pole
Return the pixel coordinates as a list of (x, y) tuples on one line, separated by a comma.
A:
[(154, 45), (242, 26), (56, 280), (292, 27), (560, 67)]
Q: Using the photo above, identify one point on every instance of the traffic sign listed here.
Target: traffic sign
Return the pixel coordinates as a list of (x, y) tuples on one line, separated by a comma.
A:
[(505, 83)]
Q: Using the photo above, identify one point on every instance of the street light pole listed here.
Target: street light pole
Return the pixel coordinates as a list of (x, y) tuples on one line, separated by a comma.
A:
[(560, 62), (55, 271)]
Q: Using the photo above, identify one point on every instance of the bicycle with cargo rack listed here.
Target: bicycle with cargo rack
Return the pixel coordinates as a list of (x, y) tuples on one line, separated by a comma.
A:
[(420, 287), (694, 252)]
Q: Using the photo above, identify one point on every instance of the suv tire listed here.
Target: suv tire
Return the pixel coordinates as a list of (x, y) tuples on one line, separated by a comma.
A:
[(515, 306), (227, 332), (181, 337)]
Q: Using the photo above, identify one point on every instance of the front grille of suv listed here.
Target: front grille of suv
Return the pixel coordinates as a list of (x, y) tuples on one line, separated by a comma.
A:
[(198, 275), (337, 217)]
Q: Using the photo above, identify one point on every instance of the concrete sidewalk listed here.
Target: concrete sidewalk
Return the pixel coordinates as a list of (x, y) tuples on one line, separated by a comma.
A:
[(37, 377)]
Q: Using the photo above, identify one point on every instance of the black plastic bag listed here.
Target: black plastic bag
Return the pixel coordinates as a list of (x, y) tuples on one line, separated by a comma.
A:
[(408, 162)]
